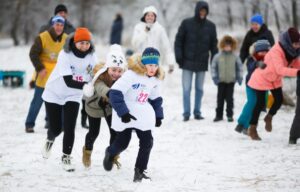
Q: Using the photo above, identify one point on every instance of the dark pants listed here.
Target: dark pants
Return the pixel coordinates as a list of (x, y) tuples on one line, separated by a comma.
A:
[(83, 113), (70, 112), (122, 141), (261, 102), (225, 93), (94, 131), (295, 129)]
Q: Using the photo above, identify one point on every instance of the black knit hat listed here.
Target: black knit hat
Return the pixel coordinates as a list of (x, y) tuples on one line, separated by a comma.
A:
[(59, 8)]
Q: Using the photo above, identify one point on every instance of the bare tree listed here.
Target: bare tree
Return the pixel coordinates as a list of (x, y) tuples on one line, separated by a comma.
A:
[(15, 22), (294, 14)]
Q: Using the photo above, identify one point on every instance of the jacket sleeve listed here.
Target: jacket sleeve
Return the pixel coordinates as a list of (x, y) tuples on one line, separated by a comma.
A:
[(271, 38), (116, 99), (179, 44), (167, 50), (35, 51), (245, 49), (138, 38), (214, 68), (71, 83), (101, 89), (278, 63), (157, 106), (213, 43), (239, 70)]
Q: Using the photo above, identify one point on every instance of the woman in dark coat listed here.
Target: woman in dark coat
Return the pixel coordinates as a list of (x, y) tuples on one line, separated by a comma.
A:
[(116, 30)]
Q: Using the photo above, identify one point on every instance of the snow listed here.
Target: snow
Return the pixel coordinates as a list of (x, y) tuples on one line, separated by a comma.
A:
[(186, 156)]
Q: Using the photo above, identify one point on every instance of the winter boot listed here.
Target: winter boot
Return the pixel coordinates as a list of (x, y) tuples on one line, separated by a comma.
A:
[(186, 118), (292, 141), (108, 161), (66, 163), (268, 120), (29, 130), (252, 132), (46, 151), (199, 117), (218, 119), (86, 157), (239, 128), (139, 175), (230, 119)]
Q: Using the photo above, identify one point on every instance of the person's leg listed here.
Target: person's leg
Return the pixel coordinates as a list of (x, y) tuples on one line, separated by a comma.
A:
[(295, 129), (278, 99), (220, 102), (83, 115), (187, 77), (199, 82), (247, 111), (34, 108), (146, 144), (229, 100), (112, 132), (70, 116), (93, 132)]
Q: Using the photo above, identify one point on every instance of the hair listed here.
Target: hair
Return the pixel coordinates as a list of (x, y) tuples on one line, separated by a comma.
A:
[(105, 77), (227, 39)]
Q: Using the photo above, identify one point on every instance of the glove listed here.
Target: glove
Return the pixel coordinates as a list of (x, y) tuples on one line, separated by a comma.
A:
[(261, 65), (102, 103), (158, 122), (32, 84), (216, 81), (88, 90), (127, 118)]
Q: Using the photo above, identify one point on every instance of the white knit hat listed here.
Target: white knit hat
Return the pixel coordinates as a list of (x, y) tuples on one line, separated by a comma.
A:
[(150, 9), (114, 58)]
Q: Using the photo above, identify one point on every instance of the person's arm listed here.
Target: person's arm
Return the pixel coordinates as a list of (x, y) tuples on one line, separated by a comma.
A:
[(214, 69), (72, 83), (213, 43), (102, 89), (239, 70), (179, 44), (34, 54), (156, 101), (244, 52)]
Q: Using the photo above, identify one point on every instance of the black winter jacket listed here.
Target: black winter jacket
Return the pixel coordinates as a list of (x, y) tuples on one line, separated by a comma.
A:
[(194, 40), (251, 37)]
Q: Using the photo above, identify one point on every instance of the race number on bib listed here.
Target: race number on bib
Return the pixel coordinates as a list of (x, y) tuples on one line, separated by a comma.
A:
[(79, 78), (142, 97)]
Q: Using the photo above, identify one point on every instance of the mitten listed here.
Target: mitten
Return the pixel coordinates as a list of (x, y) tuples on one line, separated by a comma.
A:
[(158, 122), (127, 118)]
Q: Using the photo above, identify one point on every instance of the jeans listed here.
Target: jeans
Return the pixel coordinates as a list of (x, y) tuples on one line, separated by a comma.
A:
[(187, 77), (246, 114), (35, 107)]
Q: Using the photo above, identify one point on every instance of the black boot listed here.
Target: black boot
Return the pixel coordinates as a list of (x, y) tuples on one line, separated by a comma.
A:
[(239, 128), (292, 141), (218, 119), (108, 161), (139, 175)]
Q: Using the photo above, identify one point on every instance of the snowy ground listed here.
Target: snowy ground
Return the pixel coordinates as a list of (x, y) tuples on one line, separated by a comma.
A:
[(191, 156)]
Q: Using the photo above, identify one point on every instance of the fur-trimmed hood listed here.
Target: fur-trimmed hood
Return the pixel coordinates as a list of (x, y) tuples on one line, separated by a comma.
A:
[(228, 39), (70, 39), (135, 64)]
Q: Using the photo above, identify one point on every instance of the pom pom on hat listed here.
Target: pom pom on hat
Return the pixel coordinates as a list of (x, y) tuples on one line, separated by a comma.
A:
[(82, 34), (150, 56), (257, 18), (59, 8), (57, 19), (262, 45)]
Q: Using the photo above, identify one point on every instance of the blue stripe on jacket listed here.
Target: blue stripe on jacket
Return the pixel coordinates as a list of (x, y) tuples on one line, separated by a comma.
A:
[(157, 106), (116, 99)]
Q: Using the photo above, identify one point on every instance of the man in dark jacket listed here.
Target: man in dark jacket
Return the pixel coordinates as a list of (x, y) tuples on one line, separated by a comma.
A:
[(62, 11), (258, 31), (116, 30), (295, 129), (196, 37)]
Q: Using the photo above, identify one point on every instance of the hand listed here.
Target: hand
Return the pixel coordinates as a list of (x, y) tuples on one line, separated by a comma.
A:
[(127, 118), (147, 29), (216, 81), (261, 65), (32, 84), (42, 73), (171, 69), (158, 122)]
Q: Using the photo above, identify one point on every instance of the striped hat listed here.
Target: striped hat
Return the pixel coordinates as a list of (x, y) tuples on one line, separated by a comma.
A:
[(57, 19), (150, 56)]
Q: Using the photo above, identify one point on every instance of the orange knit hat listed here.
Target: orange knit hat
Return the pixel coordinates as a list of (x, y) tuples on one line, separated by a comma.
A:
[(82, 34)]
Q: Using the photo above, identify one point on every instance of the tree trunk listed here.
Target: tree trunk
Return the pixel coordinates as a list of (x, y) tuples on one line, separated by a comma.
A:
[(229, 15), (15, 23), (294, 13), (277, 21)]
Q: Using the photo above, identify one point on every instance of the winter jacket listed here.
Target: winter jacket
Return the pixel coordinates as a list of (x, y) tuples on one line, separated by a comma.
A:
[(69, 65), (251, 66), (194, 40), (251, 37), (98, 105), (68, 27), (156, 37), (137, 94), (116, 32), (44, 53), (277, 67), (226, 68)]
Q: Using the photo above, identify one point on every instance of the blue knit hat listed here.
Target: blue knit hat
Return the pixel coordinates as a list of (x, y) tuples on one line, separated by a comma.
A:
[(150, 56), (262, 45), (257, 18), (57, 19)]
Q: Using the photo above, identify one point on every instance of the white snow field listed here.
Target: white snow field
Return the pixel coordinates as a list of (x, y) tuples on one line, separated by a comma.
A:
[(186, 156)]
